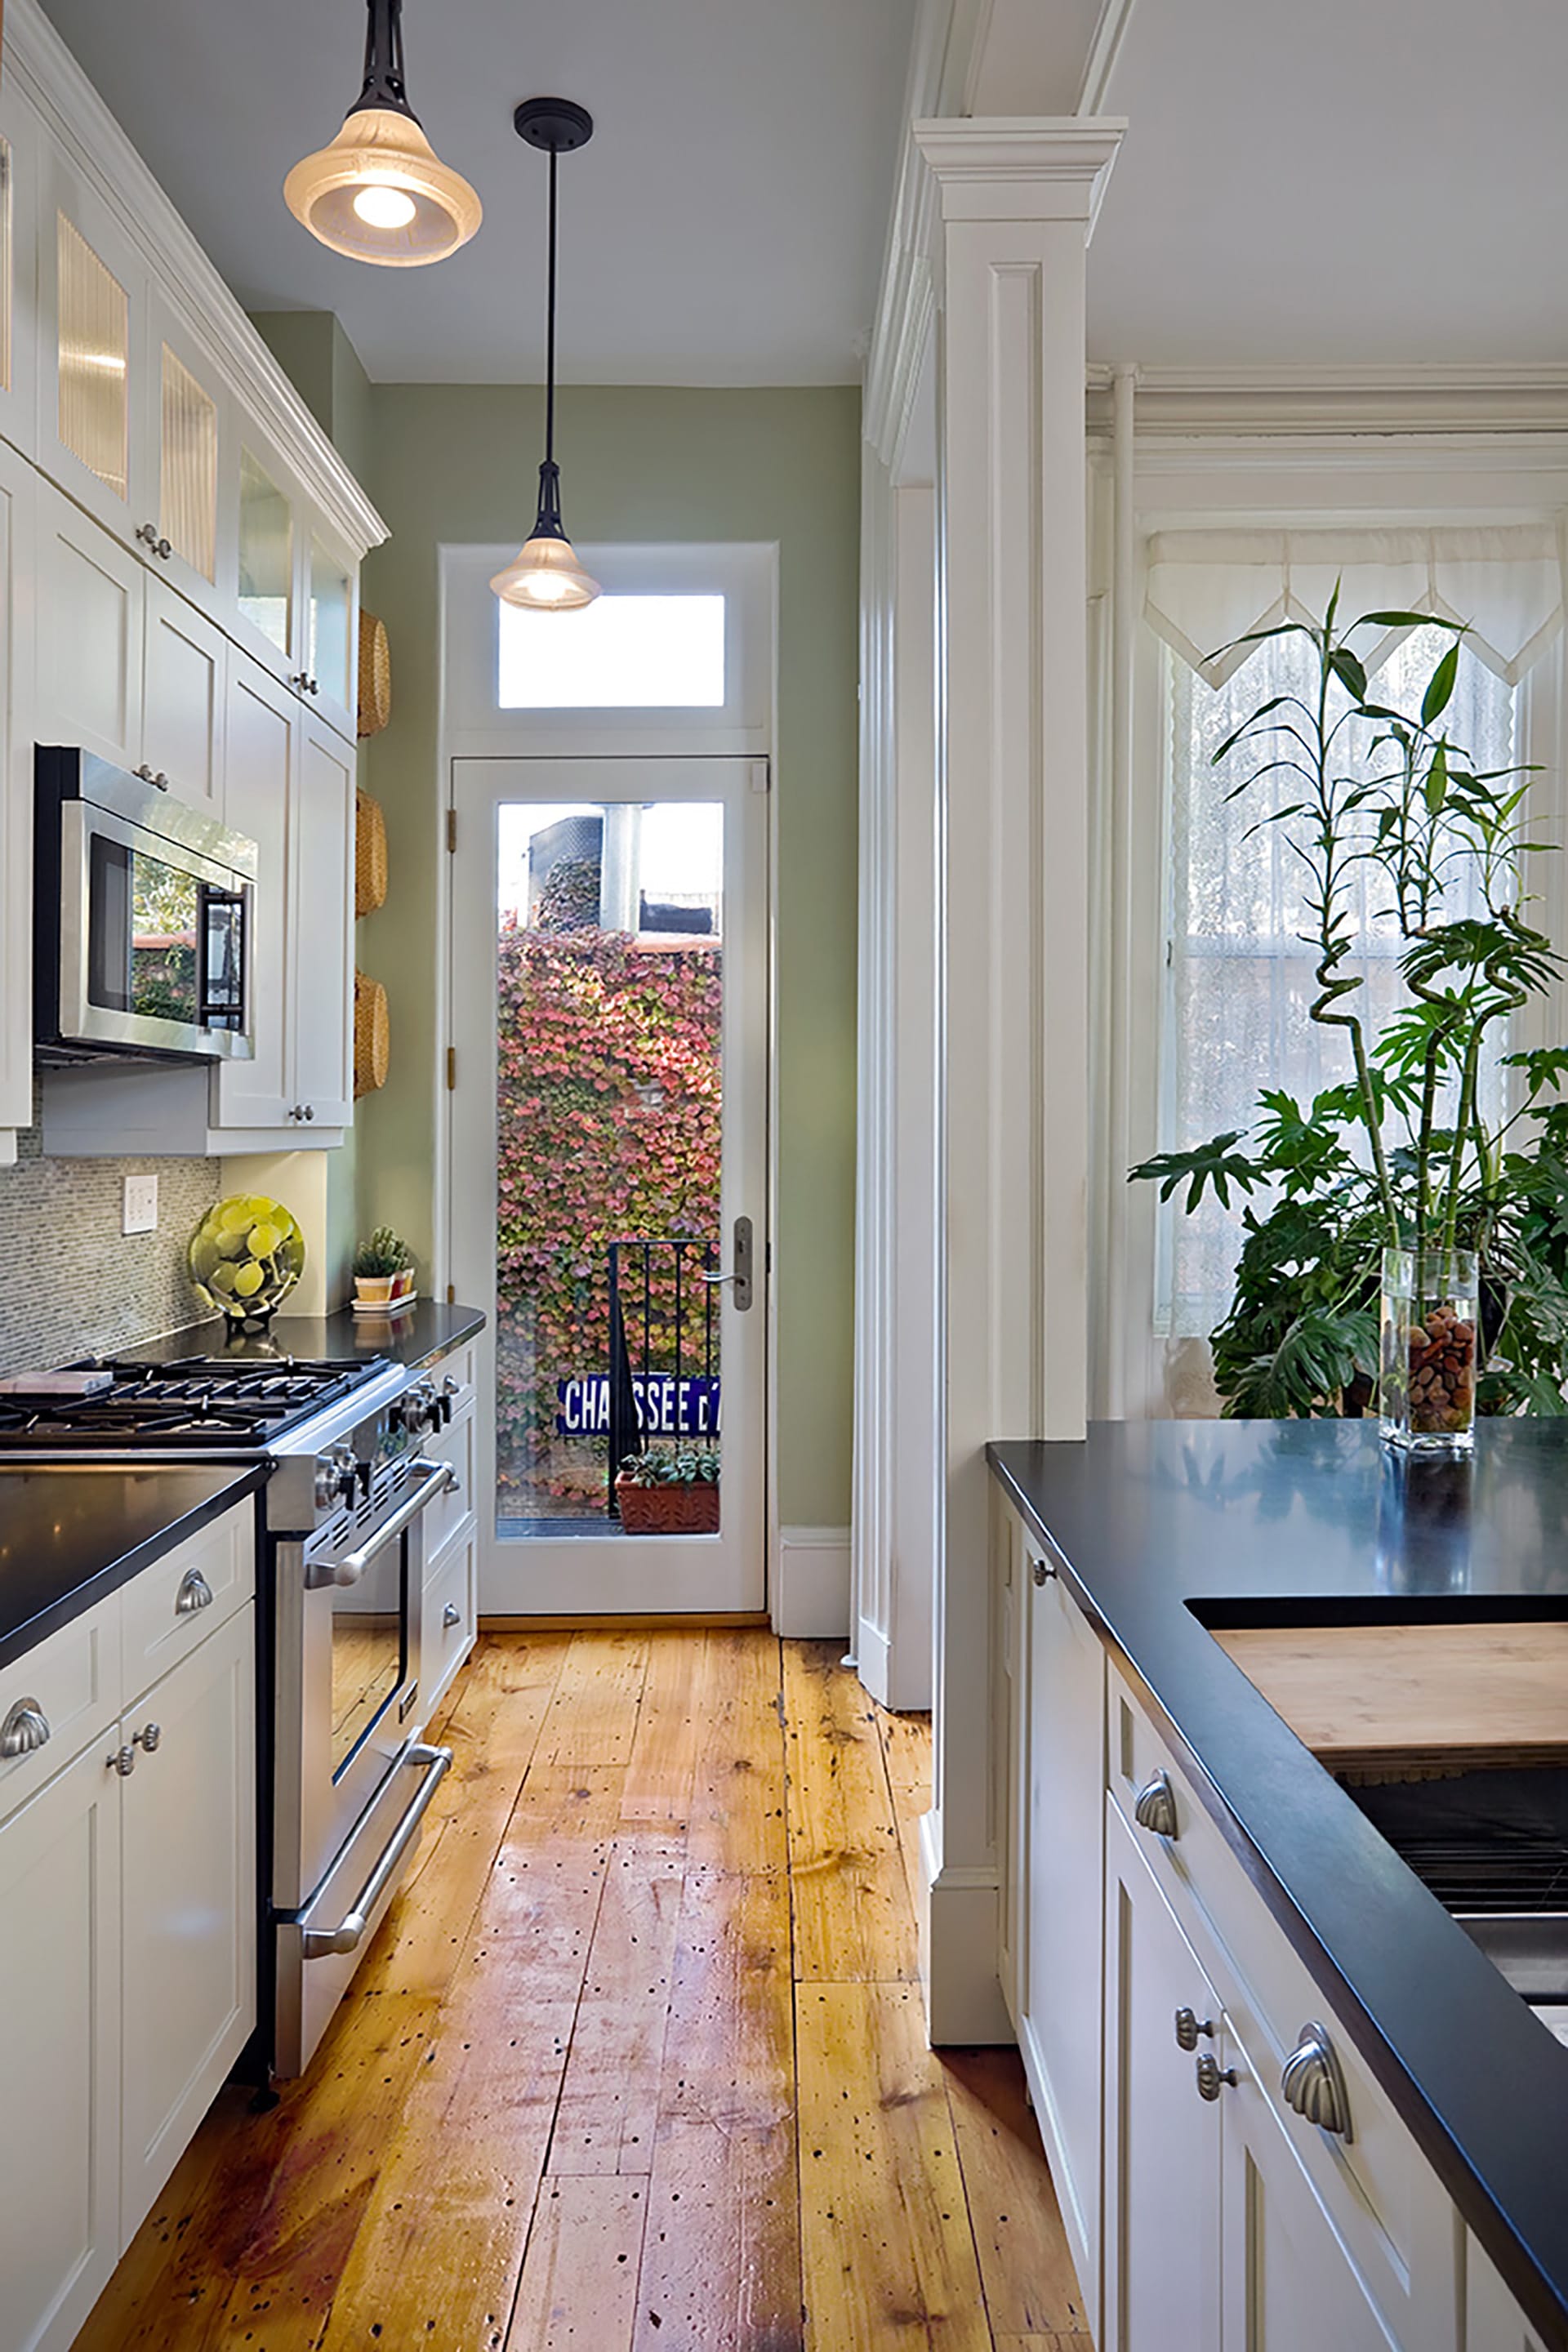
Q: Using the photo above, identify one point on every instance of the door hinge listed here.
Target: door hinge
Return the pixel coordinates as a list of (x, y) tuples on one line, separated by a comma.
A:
[(761, 775), (451, 1068), (452, 830), (451, 1294)]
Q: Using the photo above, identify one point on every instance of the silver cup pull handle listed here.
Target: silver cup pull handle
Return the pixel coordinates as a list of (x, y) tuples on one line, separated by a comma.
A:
[(1312, 2083), (25, 1730), (1154, 1806), (194, 1593)]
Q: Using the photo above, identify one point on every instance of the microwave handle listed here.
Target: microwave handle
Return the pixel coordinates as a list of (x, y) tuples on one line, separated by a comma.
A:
[(441, 1479)]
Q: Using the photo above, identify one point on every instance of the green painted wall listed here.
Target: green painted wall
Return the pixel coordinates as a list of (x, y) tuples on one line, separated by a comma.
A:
[(456, 464)]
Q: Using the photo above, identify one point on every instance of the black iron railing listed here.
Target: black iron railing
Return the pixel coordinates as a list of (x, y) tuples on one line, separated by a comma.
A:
[(663, 1304)]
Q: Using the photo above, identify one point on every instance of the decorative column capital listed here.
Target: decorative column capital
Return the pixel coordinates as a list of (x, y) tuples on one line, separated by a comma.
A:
[(1021, 167)]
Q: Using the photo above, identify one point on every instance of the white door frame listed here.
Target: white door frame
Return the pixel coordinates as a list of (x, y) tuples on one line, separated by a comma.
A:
[(471, 724)]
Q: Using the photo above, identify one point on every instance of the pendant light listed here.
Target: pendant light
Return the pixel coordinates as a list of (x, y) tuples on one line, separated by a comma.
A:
[(545, 576), (380, 193)]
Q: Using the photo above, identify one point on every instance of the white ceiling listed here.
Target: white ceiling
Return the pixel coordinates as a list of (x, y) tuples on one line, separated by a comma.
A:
[(1336, 180), (725, 226)]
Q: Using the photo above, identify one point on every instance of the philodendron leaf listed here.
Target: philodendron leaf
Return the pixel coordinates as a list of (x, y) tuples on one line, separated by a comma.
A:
[(1440, 686)]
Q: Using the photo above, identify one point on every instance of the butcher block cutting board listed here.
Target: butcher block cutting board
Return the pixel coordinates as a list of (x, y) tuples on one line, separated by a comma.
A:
[(1379, 1701)]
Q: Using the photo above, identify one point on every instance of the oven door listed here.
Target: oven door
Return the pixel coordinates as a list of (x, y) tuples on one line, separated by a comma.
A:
[(348, 1610), (154, 941)]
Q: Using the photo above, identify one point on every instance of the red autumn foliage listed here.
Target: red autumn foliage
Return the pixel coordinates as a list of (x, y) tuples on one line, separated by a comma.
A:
[(608, 1101)]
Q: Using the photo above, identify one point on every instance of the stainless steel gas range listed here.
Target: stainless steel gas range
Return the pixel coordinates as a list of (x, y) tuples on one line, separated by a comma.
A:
[(347, 1777)]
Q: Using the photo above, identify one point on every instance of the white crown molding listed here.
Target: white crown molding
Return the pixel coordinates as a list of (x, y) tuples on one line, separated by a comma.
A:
[(1103, 51), (1498, 398), (1022, 167), (50, 78)]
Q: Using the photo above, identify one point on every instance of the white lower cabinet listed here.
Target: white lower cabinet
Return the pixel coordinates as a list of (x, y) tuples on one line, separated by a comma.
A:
[(128, 1958), (447, 1632), (1162, 2136), (1157, 2000), (60, 2054), (1062, 1835), (188, 1848), (1493, 2321)]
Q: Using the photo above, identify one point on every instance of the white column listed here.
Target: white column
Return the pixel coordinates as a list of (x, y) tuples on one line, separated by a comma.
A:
[(1017, 201)]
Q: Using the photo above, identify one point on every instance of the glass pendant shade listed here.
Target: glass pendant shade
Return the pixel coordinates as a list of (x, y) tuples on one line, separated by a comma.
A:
[(544, 575), (380, 193)]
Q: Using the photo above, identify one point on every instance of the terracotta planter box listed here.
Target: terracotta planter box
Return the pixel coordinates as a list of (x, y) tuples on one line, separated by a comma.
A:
[(667, 1510)]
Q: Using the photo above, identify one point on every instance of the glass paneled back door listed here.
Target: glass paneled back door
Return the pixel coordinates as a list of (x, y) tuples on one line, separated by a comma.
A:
[(607, 1175)]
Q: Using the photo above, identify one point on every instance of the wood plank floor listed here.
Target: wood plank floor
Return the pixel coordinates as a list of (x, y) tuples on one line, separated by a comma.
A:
[(636, 2063)]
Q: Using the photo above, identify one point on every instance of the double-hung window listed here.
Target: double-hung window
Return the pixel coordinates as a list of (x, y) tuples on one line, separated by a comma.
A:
[(1240, 973)]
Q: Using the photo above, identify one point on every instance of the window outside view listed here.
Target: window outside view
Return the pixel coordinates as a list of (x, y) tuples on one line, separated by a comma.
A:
[(609, 1045), (1240, 975)]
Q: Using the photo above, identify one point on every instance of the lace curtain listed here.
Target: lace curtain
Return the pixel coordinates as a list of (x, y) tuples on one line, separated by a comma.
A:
[(1240, 977)]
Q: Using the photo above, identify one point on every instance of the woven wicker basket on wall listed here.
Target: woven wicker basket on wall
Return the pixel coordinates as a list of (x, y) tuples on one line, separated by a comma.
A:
[(374, 675), (373, 1035), (370, 855)]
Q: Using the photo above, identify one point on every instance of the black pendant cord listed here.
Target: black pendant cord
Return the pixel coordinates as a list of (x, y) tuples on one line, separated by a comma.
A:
[(550, 328)]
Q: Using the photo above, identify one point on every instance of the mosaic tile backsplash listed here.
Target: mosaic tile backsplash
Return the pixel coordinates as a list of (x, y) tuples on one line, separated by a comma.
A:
[(70, 1283)]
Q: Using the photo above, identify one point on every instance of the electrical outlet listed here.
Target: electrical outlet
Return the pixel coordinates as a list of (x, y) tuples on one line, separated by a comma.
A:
[(140, 1214)]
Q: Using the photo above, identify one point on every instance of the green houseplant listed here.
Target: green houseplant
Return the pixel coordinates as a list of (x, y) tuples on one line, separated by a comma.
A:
[(661, 1492), (383, 1269), (1393, 1189)]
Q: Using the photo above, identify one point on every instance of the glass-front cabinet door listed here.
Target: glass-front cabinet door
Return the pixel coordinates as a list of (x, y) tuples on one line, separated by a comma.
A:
[(21, 139), (95, 385), (191, 427), (267, 591), (332, 626)]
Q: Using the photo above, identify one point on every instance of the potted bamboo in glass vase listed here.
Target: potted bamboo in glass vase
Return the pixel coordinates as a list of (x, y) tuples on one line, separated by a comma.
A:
[(1409, 1239)]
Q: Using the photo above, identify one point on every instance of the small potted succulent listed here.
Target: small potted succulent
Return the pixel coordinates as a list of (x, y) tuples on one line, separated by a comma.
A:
[(664, 1493), (383, 1270)]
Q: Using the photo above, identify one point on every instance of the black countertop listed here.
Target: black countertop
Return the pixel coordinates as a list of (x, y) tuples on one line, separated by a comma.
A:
[(426, 1328), (71, 1536), (1163, 1528)]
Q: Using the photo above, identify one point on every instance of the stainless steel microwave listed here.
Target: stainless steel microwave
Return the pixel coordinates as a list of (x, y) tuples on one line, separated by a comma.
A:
[(142, 923)]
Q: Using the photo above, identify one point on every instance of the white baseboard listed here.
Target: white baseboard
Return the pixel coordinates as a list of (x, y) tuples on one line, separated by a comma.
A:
[(811, 1584), (959, 1915)]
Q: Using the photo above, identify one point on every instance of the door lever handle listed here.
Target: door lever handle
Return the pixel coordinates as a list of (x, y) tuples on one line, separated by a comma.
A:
[(740, 1273)]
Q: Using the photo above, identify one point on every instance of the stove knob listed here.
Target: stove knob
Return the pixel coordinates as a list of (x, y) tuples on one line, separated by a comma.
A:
[(326, 1483), (347, 1479)]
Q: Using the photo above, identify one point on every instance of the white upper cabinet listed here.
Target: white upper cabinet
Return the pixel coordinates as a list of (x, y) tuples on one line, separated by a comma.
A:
[(332, 631), (21, 144), (184, 672), (19, 578), (94, 388), (322, 975), (92, 605)]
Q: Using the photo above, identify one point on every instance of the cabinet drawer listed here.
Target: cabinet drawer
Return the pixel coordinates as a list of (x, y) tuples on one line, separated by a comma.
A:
[(72, 1680), (187, 1595), (1383, 2197), (447, 1512), (448, 1631)]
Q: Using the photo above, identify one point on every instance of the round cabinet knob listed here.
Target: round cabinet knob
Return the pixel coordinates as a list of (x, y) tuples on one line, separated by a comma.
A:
[(25, 1730), (310, 1111), (1041, 1572), (1312, 2082), (1189, 2026), (164, 549), (147, 536), (1212, 2078), (148, 1737), (145, 773), (1154, 1806), (121, 1761)]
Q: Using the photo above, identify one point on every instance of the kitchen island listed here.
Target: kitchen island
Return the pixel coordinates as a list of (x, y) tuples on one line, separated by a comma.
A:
[(1121, 1557)]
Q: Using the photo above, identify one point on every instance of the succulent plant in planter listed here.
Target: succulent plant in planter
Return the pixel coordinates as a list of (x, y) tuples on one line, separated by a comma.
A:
[(663, 1492), (384, 1270)]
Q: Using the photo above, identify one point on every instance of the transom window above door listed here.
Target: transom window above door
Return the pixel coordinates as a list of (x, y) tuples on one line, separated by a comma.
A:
[(622, 653)]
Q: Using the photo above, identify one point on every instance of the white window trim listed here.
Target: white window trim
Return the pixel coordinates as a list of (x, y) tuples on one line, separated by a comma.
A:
[(1248, 481)]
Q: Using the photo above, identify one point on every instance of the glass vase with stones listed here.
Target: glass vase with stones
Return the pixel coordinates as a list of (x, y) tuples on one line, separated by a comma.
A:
[(1431, 1327)]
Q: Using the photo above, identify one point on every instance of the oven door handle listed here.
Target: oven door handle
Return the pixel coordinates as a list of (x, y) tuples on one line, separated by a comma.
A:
[(441, 1480), (320, 1941)]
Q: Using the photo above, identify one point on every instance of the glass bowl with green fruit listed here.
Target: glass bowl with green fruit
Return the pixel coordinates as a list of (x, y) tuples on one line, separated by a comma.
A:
[(245, 1256)]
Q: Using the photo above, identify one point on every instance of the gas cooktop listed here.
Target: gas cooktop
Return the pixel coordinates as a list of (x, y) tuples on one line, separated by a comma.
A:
[(193, 1402)]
